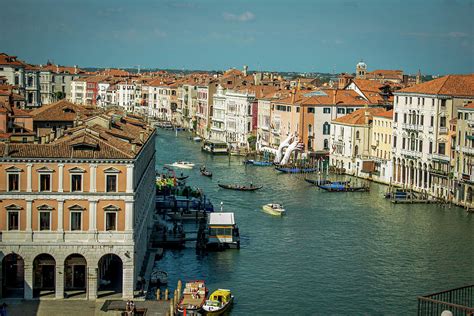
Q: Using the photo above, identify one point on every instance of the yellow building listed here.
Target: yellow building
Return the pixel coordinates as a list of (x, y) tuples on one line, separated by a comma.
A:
[(381, 146), (74, 213)]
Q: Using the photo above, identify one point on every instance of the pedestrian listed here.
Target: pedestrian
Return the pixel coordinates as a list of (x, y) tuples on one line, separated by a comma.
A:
[(3, 310)]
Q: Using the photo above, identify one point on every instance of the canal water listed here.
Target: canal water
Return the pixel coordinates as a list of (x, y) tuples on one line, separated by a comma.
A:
[(332, 253)]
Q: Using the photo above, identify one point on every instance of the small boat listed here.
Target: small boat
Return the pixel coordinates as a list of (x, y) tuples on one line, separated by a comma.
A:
[(240, 187), (206, 172), (296, 170), (215, 147), (158, 276), (258, 163), (197, 139), (274, 209), (182, 164), (219, 302), (322, 182), (194, 297), (338, 187), (182, 178)]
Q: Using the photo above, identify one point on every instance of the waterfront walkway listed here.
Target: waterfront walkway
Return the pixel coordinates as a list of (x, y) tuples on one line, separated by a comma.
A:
[(79, 307)]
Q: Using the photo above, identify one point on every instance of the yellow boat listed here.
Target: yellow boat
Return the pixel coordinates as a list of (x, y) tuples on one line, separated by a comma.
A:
[(274, 209), (219, 302)]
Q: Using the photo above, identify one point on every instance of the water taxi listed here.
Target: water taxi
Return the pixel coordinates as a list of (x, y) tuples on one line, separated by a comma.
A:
[(182, 164), (219, 302), (274, 209), (194, 297)]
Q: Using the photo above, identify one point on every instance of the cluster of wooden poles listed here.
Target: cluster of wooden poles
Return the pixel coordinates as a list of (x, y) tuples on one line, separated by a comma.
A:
[(173, 301)]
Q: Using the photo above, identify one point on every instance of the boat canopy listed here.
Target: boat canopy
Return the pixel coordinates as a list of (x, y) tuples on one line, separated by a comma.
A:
[(215, 142), (226, 218), (221, 295)]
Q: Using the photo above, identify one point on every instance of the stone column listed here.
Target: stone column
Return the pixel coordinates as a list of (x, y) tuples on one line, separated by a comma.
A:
[(29, 216), (60, 177), (129, 215), (395, 172), (28, 280), (127, 281), (92, 283), (60, 215), (59, 280), (28, 177), (129, 179), (93, 178), (92, 216)]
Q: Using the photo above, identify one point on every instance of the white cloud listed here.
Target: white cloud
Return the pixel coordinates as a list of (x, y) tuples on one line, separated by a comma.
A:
[(244, 17)]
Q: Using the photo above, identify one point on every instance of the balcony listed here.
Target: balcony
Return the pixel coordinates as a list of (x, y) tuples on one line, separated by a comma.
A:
[(412, 127), (467, 150), (411, 153), (430, 129), (441, 157), (443, 130)]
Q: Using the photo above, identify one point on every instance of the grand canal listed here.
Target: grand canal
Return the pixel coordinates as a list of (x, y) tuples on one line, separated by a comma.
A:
[(333, 253)]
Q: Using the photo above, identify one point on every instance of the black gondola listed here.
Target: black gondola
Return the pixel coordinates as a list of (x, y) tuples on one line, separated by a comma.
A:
[(239, 187), (323, 182), (182, 178), (206, 173)]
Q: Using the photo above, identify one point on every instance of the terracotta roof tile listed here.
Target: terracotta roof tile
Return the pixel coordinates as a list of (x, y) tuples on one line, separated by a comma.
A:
[(358, 117), (453, 85)]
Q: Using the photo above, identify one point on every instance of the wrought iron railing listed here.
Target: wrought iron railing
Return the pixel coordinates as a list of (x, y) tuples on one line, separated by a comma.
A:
[(459, 301)]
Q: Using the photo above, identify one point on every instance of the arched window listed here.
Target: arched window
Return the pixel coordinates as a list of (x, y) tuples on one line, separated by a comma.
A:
[(327, 129), (326, 144), (413, 142), (356, 150), (310, 129), (358, 134)]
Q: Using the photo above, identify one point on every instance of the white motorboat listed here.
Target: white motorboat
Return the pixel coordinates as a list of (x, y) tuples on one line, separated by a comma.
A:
[(274, 209), (197, 139), (182, 164)]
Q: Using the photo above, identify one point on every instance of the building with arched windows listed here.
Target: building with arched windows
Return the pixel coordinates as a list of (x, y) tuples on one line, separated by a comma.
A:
[(75, 212)]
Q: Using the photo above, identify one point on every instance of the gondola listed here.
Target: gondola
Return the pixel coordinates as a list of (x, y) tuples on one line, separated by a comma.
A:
[(323, 182), (337, 187), (182, 178), (206, 172), (239, 187)]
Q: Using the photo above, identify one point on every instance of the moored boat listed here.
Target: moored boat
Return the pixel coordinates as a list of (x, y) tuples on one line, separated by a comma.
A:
[(215, 147), (197, 139), (274, 209), (323, 182), (339, 187), (238, 187), (182, 177), (219, 302), (158, 276), (296, 170), (194, 297)]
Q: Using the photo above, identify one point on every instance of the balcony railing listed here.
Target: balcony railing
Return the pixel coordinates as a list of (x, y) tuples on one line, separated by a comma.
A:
[(411, 153), (466, 150), (443, 130), (459, 301), (439, 157), (412, 127)]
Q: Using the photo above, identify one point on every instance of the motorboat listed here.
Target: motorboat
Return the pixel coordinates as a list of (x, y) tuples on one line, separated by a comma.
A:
[(339, 187), (219, 302), (182, 164), (237, 187), (197, 139), (194, 297), (296, 170), (274, 209), (258, 163)]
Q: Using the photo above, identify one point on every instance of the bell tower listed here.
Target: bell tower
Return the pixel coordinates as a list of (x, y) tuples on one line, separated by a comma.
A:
[(361, 70)]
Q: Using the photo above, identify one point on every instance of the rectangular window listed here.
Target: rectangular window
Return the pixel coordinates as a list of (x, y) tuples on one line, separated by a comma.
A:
[(13, 182), (13, 220), (110, 221), (420, 146), (422, 119), (76, 183), (111, 180), (341, 111), (396, 117), (443, 102), (442, 121), (394, 141), (432, 121), (431, 147), (326, 110), (45, 182), (76, 220), (403, 142), (44, 220), (310, 110), (441, 148)]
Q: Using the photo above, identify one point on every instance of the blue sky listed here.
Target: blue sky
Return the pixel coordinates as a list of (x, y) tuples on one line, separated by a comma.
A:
[(436, 36)]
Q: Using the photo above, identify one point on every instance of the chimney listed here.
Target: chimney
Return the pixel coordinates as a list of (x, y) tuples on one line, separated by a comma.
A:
[(6, 151), (142, 136), (334, 96), (134, 148), (293, 96), (75, 69), (57, 68), (245, 70), (366, 114)]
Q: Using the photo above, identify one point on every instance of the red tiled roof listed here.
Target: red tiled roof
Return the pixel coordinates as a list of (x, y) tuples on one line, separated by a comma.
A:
[(453, 85), (358, 117), (387, 114)]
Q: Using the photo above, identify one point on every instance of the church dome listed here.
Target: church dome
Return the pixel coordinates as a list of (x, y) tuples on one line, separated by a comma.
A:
[(361, 64)]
